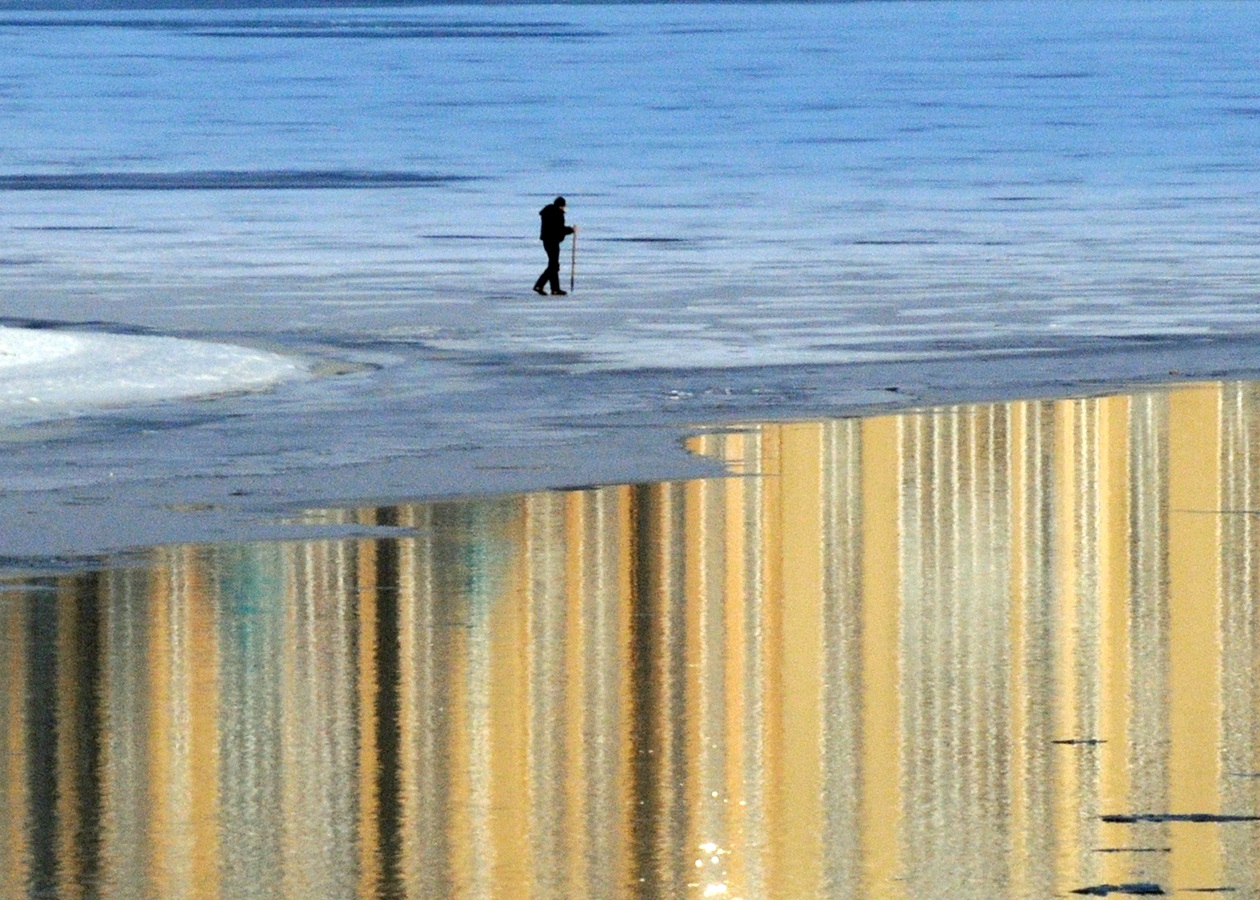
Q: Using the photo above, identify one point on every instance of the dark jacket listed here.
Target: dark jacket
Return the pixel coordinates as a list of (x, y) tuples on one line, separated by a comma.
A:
[(553, 228)]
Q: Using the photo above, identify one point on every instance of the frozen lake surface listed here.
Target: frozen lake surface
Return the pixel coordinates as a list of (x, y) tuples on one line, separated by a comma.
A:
[(46, 375), (785, 211)]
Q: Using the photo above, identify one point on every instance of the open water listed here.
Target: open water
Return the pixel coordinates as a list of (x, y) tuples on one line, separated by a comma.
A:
[(779, 206), (971, 652)]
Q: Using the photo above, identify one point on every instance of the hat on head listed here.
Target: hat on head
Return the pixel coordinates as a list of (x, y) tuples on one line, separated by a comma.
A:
[(559, 201)]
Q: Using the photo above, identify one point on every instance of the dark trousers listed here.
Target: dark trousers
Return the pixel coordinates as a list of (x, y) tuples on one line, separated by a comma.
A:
[(552, 272)]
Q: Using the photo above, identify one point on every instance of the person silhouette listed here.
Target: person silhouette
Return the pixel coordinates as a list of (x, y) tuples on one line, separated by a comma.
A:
[(554, 231)]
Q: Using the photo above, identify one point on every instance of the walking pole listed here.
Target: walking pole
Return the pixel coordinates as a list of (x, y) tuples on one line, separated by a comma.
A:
[(572, 259)]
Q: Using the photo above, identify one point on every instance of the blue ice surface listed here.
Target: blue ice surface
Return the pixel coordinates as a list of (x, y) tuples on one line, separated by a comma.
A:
[(784, 211)]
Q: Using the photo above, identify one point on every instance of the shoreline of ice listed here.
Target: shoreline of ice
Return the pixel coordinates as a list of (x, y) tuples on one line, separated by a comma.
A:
[(47, 375)]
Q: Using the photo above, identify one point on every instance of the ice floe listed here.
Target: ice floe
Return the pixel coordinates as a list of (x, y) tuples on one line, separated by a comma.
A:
[(57, 374)]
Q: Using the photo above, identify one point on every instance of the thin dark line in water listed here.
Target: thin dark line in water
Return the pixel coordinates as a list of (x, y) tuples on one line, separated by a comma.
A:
[(337, 26), (895, 243), (698, 30), (390, 34), (1133, 889), (1079, 742), (278, 180), (822, 141), (644, 240), (77, 325), (67, 228), (1054, 76), (1161, 818), (1133, 849), (466, 237)]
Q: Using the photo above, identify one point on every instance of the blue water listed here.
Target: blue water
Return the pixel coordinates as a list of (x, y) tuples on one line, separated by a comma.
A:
[(784, 211)]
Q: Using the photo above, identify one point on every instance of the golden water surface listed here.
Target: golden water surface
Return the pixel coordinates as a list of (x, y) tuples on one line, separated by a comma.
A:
[(977, 651)]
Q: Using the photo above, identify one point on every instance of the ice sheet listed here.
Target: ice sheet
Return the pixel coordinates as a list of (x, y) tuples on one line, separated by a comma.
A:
[(53, 374)]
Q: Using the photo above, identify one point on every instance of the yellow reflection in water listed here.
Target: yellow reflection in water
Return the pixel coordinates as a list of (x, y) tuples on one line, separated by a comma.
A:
[(977, 651)]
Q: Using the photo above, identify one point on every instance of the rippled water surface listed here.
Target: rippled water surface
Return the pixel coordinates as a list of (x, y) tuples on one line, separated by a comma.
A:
[(969, 652)]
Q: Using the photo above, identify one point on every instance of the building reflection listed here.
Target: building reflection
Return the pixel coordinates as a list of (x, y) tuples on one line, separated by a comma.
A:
[(920, 655)]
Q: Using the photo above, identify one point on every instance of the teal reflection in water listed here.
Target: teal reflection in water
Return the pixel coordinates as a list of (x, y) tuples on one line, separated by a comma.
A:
[(993, 650)]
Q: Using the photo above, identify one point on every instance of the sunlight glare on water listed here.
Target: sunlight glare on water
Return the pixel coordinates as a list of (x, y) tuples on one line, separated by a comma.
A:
[(973, 651)]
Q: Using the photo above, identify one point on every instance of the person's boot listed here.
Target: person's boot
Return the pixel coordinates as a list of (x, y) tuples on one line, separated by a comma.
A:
[(538, 289), (558, 293)]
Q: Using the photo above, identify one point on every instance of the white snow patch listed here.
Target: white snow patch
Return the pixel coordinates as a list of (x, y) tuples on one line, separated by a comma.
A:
[(54, 374)]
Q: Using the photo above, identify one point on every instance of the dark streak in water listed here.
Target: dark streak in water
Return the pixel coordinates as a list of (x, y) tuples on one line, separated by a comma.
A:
[(697, 31), (461, 237), (1160, 818), (895, 243), (338, 25), (68, 228), (1055, 76), (1133, 849), (394, 33), (278, 180), (95, 325), (644, 240), (821, 141), (1140, 888)]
